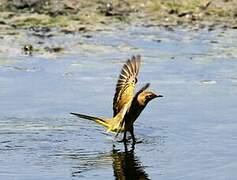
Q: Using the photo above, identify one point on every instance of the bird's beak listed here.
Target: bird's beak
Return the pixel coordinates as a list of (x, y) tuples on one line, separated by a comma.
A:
[(157, 95)]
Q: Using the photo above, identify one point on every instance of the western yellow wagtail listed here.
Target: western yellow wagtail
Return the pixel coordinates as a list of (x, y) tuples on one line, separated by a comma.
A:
[(126, 106)]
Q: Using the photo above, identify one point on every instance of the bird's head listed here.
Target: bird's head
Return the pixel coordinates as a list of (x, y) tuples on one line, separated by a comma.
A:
[(147, 96)]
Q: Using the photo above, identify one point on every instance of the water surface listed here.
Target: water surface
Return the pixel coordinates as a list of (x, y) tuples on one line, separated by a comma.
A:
[(191, 133)]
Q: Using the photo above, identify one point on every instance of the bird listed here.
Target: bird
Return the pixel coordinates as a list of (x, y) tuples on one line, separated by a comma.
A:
[(127, 106)]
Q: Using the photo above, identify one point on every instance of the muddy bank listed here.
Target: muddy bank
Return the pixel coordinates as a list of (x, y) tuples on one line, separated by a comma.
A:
[(72, 14), (43, 19)]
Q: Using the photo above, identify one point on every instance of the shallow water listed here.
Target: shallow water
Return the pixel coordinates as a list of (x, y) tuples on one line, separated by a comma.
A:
[(191, 133)]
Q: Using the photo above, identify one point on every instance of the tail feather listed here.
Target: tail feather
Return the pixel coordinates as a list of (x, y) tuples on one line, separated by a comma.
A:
[(92, 118)]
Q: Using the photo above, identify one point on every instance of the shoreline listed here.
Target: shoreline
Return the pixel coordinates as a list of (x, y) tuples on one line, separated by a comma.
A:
[(72, 15), (44, 19)]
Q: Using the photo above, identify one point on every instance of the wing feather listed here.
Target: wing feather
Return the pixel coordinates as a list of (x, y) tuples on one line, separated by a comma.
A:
[(124, 91)]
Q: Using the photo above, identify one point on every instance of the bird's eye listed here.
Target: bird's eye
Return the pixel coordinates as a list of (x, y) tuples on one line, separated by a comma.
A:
[(149, 97)]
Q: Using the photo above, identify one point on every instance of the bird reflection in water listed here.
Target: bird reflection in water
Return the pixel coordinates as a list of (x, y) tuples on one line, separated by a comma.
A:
[(127, 166), (125, 163)]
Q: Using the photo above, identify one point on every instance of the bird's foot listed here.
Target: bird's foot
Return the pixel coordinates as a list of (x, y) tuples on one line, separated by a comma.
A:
[(138, 141), (134, 141)]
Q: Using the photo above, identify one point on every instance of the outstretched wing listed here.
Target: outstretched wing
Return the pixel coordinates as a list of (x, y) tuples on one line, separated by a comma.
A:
[(126, 84)]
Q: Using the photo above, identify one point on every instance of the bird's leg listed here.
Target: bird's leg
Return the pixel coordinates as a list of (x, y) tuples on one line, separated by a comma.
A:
[(132, 134), (124, 140), (124, 137), (125, 147)]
